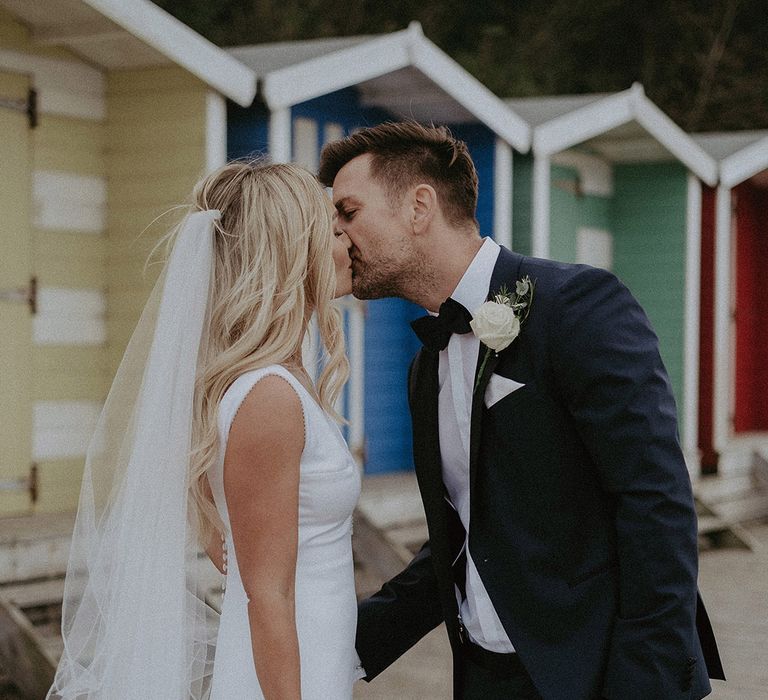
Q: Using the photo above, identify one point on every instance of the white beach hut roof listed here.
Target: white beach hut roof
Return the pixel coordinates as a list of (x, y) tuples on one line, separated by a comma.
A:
[(402, 72), (615, 126), (741, 154), (114, 34)]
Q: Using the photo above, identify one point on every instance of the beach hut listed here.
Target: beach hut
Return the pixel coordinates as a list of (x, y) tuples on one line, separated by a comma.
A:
[(109, 112), (613, 182), (733, 403), (311, 92)]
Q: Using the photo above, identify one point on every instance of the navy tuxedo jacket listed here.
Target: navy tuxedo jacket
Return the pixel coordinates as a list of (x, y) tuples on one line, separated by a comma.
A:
[(583, 524)]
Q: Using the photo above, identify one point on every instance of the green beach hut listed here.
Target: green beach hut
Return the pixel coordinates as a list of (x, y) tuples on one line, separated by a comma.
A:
[(613, 182)]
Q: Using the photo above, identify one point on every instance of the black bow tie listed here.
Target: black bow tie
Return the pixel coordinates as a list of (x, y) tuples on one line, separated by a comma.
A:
[(436, 331)]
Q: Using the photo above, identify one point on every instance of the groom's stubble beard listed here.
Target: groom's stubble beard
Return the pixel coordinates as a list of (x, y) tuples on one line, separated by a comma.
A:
[(404, 276)]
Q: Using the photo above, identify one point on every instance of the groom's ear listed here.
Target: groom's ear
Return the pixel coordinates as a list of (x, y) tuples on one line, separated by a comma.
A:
[(424, 207)]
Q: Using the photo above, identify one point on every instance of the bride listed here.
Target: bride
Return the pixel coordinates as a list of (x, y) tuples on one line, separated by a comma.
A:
[(214, 437)]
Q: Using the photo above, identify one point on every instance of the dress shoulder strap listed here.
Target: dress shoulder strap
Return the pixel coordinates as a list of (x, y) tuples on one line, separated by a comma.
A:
[(235, 395)]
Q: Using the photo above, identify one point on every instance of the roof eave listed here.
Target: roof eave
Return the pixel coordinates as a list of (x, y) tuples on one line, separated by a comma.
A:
[(590, 121), (743, 164), (303, 81), (182, 45)]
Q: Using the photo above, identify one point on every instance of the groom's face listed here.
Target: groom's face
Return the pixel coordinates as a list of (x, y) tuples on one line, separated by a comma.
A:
[(379, 230)]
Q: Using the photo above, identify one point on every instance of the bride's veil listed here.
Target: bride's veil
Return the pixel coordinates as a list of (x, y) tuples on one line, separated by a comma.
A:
[(135, 622)]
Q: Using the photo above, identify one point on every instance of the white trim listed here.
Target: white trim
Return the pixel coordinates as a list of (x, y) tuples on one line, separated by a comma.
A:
[(595, 173), (610, 112), (332, 132), (303, 81), (66, 88), (744, 164), (594, 246), (215, 131), (68, 202), (319, 76), (582, 124), (674, 139), (70, 317), (185, 47), (691, 357), (356, 345), (502, 193), (305, 142), (722, 335), (470, 93), (280, 135), (63, 429), (541, 204)]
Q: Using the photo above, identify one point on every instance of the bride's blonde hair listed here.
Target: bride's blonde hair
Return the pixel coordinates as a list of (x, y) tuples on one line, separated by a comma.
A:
[(272, 269)]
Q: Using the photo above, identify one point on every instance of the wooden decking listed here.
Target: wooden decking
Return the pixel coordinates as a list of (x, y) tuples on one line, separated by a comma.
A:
[(389, 528)]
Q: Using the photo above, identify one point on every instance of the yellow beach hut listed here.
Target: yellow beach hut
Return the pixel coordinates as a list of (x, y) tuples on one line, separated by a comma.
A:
[(110, 110)]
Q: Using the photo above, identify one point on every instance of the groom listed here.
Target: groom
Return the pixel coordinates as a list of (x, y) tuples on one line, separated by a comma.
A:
[(562, 553)]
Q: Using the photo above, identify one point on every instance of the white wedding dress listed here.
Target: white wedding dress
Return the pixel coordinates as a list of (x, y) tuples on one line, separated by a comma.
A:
[(326, 607)]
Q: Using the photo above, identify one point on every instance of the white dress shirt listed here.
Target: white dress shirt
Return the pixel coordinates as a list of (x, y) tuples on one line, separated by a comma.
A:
[(457, 366)]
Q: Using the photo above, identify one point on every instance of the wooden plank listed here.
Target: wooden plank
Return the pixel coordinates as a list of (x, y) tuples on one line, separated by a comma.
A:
[(16, 269), (29, 594), (722, 488), (373, 551), (711, 523), (70, 373), (70, 145), (22, 652), (172, 78), (60, 485), (747, 508)]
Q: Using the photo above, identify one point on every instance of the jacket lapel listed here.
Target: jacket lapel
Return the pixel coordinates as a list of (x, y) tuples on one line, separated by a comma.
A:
[(423, 396), (506, 271)]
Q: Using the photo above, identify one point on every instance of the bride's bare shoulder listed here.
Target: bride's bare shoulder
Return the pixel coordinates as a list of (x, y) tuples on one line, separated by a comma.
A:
[(269, 421)]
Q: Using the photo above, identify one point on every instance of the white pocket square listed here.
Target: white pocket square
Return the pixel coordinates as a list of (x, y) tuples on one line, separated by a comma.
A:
[(499, 387)]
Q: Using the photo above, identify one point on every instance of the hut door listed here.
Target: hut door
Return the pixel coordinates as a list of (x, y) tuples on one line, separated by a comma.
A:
[(751, 385), (709, 457), (16, 298)]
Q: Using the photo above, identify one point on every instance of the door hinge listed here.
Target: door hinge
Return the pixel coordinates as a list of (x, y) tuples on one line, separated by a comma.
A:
[(22, 295), (28, 106), (30, 484)]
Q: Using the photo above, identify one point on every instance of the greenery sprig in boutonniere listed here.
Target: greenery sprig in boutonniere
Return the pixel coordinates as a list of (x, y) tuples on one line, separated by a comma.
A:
[(497, 323)]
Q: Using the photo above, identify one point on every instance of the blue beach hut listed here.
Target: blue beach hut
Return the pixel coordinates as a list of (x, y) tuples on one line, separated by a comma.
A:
[(312, 92)]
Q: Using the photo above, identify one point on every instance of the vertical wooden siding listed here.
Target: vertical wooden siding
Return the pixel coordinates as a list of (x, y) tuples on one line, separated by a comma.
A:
[(15, 318), (648, 221), (522, 203), (68, 261), (156, 134), (570, 210)]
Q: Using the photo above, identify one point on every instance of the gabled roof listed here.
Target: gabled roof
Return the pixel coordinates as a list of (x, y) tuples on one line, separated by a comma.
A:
[(132, 34), (265, 58), (602, 120), (402, 72), (538, 110), (741, 154)]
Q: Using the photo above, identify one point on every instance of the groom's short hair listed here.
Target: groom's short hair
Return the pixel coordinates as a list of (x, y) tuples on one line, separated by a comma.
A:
[(407, 153)]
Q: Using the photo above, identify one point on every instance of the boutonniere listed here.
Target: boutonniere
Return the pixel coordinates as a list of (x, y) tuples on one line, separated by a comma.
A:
[(497, 323)]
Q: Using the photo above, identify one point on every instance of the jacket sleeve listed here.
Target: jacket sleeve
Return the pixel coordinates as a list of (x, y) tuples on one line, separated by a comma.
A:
[(391, 621), (606, 362)]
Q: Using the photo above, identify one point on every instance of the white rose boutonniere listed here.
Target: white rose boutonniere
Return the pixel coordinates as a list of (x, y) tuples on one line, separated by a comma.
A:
[(497, 323)]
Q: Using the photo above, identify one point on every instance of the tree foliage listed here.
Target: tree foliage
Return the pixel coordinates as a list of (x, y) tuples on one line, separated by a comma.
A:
[(704, 62)]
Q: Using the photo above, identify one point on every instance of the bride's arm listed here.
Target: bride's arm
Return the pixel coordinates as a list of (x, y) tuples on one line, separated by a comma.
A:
[(261, 484)]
